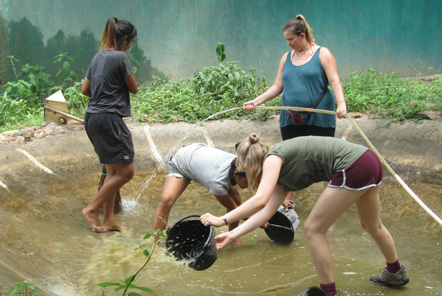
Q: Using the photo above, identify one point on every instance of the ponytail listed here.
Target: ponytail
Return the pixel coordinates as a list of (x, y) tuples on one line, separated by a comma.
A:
[(117, 33), (299, 25)]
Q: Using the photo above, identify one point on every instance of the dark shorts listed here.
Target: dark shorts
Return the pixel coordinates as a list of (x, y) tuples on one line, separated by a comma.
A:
[(110, 137), (364, 173), (294, 131)]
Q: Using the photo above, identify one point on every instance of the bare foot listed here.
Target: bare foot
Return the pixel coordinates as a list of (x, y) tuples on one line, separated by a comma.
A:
[(92, 218), (113, 227)]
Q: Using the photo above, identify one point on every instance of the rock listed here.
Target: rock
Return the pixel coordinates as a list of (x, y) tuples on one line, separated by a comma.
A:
[(9, 134), (432, 115)]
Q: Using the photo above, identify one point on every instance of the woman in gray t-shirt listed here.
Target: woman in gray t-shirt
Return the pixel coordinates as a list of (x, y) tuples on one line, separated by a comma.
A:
[(210, 167), (109, 79), (354, 172)]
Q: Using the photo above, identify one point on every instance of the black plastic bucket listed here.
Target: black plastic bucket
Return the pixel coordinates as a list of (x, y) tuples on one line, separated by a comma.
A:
[(189, 240), (282, 226)]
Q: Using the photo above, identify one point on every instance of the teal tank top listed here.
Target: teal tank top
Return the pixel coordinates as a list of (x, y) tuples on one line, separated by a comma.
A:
[(303, 86)]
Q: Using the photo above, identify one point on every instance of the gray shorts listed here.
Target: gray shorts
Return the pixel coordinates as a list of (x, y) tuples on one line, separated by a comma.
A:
[(172, 170)]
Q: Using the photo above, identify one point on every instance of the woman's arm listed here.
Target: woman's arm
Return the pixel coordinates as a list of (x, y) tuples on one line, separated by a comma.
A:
[(262, 205), (86, 87), (257, 220), (328, 62), (272, 92), (131, 83)]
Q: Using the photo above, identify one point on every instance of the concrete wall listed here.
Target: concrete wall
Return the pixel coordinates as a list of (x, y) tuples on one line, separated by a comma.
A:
[(179, 36)]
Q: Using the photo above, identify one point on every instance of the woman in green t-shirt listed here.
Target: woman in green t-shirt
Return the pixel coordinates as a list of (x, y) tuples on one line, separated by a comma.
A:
[(355, 174)]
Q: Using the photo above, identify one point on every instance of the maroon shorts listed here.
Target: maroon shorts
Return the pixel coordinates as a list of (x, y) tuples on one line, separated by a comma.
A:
[(364, 173)]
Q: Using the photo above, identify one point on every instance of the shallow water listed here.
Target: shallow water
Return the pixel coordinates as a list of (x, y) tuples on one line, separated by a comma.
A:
[(44, 236)]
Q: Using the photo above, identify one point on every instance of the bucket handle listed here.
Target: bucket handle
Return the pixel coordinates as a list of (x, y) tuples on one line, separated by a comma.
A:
[(190, 216), (212, 230)]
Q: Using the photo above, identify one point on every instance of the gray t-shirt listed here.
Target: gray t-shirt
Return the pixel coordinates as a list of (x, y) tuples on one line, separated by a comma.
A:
[(205, 165), (312, 159), (106, 72)]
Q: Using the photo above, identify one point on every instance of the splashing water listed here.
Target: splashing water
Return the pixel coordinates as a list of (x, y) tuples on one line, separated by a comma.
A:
[(131, 205)]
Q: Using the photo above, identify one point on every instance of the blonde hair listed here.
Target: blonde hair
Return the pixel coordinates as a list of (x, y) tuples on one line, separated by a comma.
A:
[(250, 158), (299, 25)]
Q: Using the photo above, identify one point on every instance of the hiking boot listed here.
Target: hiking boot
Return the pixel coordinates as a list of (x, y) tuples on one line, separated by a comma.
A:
[(313, 291), (387, 278)]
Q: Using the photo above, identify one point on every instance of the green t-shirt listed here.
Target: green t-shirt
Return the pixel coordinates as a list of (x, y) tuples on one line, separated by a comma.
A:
[(312, 159)]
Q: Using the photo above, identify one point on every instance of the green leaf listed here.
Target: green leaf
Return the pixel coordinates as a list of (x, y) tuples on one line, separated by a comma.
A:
[(145, 289), (129, 279), (34, 88), (66, 65), (108, 284)]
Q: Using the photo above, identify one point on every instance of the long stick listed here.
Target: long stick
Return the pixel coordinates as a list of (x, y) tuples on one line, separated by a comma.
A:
[(64, 113), (405, 186)]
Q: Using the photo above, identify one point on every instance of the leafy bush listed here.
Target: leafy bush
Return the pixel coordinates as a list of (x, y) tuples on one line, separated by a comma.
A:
[(212, 90), (389, 95), (21, 101)]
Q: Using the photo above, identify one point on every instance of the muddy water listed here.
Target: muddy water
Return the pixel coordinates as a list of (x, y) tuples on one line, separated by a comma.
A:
[(53, 243), (44, 236)]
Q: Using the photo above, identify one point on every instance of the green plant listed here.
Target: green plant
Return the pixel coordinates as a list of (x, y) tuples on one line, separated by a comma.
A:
[(25, 287), (77, 102), (227, 81), (128, 282), (21, 100), (220, 52), (69, 77), (388, 95)]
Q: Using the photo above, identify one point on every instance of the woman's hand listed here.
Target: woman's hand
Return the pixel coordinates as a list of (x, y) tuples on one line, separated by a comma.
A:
[(211, 220), (341, 110), (249, 106), (288, 204), (223, 240)]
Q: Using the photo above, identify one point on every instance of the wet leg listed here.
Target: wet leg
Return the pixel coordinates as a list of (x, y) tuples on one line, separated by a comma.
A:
[(120, 175), (173, 187)]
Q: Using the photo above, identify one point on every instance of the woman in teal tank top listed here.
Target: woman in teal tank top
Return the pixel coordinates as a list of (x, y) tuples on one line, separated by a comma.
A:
[(303, 74)]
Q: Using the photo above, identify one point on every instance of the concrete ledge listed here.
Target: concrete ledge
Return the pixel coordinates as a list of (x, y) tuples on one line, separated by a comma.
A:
[(413, 150)]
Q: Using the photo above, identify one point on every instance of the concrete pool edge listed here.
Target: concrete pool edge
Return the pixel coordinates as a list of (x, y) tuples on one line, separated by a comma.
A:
[(411, 149)]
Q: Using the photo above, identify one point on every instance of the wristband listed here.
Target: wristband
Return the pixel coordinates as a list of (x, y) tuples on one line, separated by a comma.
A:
[(225, 219)]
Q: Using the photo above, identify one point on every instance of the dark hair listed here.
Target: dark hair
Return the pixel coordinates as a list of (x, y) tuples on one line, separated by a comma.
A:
[(299, 25), (117, 33), (233, 168)]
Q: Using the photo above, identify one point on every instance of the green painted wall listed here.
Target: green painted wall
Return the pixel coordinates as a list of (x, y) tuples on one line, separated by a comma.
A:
[(177, 37)]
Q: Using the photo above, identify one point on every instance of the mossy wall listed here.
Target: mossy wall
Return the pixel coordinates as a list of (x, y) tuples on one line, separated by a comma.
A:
[(178, 37)]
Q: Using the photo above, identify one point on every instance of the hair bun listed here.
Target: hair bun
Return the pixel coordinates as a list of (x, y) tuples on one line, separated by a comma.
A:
[(254, 138)]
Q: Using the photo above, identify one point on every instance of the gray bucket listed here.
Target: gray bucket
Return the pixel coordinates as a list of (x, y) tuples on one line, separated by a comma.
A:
[(281, 228)]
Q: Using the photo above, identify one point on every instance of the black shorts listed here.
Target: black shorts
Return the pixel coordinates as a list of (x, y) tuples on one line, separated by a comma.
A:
[(294, 131), (110, 136)]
